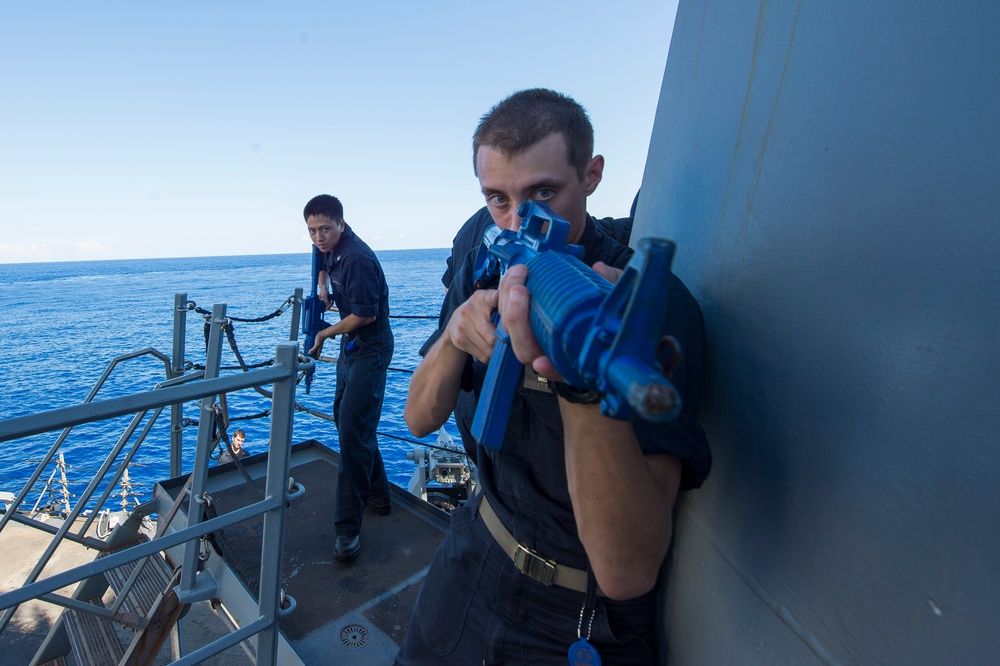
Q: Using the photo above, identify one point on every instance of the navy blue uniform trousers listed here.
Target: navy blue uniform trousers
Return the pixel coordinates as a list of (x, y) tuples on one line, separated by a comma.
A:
[(357, 409), (475, 607)]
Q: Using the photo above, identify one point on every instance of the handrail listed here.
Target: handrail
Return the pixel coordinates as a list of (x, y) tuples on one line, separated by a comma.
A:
[(174, 392), (78, 509), (53, 419), (47, 458)]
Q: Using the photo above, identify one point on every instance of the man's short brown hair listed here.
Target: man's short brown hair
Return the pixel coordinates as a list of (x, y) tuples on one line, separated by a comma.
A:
[(526, 117)]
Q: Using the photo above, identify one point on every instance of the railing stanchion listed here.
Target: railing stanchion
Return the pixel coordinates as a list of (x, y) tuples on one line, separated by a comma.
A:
[(199, 475), (296, 314), (273, 538)]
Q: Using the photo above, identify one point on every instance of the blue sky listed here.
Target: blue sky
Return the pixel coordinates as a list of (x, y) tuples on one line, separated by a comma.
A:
[(140, 129)]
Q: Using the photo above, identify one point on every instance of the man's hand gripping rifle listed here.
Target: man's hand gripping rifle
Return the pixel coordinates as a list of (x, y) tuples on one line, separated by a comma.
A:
[(312, 319), (598, 336)]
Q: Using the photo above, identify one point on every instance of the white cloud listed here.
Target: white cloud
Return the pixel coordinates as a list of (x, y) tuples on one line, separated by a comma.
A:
[(25, 252), (92, 248)]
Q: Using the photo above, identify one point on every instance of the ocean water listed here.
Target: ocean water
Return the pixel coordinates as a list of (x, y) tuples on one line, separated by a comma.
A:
[(63, 323)]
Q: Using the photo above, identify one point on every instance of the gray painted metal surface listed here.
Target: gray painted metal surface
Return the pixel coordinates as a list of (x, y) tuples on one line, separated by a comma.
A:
[(830, 174)]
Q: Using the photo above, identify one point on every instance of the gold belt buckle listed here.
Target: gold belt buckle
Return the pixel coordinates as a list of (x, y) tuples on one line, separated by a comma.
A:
[(534, 565)]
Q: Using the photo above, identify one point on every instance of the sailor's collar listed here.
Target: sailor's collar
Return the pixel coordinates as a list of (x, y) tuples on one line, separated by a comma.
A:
[(592, 242), (346, 240)]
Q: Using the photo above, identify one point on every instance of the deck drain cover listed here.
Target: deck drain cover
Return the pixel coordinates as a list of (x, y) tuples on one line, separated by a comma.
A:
[(354, 636)]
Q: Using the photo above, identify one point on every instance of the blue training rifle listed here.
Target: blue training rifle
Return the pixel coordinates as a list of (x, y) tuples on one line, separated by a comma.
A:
[(312, 317), (598, 336)]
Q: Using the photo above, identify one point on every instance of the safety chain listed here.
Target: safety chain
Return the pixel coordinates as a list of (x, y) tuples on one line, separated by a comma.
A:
[(251, 320), (219, 538), (221, 543), (186, 422), (227, 326), (284, 306), (230, 335)]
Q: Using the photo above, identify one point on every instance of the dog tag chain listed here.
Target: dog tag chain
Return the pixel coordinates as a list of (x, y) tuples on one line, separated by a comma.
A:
[(582, 653)]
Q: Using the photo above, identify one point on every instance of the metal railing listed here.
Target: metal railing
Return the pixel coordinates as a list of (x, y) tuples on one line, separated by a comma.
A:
[(173, 392)]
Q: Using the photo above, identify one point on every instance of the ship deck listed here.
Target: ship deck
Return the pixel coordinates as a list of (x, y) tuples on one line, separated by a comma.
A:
[(345, 613)]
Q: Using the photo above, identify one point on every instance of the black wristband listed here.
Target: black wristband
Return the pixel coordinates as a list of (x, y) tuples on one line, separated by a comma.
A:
[(577, 395)]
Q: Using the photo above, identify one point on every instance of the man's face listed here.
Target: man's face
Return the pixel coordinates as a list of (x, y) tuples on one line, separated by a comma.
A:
[(543, 173), (237, 442), (324, 232)]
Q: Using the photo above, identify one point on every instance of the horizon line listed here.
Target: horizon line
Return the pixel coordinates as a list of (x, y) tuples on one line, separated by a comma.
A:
[(198, 256)]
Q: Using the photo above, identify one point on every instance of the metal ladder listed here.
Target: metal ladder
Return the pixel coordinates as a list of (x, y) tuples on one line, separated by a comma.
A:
[(143, 600)]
